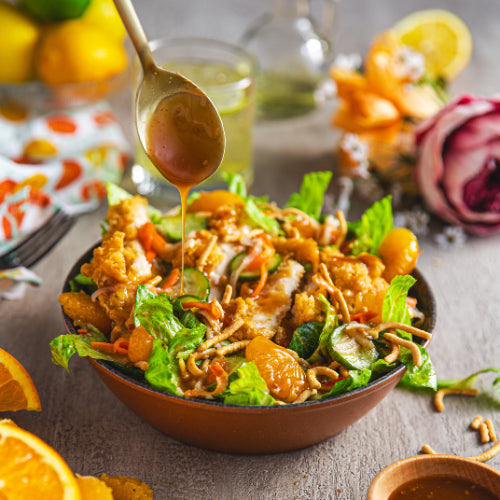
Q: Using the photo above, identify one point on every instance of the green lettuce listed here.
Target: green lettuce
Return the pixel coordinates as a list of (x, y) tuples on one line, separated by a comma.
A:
[(394, 306), (249, 388), (163, 369), (417, 376), (357, 378), (394, 309), (371, 229), (235, 184), (156, 314), (64, 347), (259, 219), (312, 193)]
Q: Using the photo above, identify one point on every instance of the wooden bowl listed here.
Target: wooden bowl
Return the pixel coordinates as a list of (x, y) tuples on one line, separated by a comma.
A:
[(251, 429), (394, 476)]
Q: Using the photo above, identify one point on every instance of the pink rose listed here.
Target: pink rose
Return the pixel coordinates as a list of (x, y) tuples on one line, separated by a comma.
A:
[(458, 169)]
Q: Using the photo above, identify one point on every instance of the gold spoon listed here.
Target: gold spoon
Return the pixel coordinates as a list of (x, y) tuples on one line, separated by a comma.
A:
[(178, 125)]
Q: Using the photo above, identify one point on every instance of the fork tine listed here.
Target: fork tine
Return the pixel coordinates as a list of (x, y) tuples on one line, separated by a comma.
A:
[(35, 246)]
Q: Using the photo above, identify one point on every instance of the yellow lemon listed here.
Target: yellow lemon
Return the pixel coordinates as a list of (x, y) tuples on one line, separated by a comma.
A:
[(441, 36), (18, 37), (103, 14), (77, 51)]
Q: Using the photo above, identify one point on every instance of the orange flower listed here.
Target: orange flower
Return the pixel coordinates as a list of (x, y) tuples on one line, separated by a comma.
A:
[(386, 92), (375, 104)]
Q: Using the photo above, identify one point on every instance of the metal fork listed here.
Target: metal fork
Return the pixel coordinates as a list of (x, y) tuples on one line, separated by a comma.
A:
[(38, 243)]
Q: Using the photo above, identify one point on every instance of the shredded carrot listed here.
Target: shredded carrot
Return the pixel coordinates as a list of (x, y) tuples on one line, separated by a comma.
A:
[(363, 317), (81, 331), (411, 301), (264, 256), (102, 346), (171, 279), (211, 307), (262, 281), (151, 241), (121, 346), (216, 370)]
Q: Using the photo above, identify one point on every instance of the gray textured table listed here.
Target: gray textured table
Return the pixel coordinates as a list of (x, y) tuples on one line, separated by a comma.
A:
[(96, 433)]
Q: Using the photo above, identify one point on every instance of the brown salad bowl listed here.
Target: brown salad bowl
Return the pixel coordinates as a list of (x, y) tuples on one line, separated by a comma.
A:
[(251, 429)]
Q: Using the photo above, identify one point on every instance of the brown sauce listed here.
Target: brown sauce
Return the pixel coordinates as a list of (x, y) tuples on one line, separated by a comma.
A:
[(185, 142), (442, 488)]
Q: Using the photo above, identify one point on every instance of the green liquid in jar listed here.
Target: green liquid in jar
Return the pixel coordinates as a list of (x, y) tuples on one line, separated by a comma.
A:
[(232, 93)]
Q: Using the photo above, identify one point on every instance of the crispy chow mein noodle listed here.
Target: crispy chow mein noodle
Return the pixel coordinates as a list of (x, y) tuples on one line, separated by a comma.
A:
[(279, 305)]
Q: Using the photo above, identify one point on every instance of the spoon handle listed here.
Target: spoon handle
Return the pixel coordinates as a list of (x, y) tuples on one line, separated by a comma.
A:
[(136, 33)]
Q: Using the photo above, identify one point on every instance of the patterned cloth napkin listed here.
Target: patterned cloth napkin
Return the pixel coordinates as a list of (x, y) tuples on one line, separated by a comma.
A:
[(55, 160), (60, 159)]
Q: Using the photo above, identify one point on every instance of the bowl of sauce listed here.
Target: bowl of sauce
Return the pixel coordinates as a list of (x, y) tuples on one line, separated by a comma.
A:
[(443, 477)]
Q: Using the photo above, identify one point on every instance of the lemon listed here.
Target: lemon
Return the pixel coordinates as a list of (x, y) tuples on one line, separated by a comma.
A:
[(103, 13), (77, 51), (441, 36), (54, 10), (18, 37)]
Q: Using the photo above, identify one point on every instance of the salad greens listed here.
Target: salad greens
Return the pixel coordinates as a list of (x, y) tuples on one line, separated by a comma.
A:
[(177, 332)]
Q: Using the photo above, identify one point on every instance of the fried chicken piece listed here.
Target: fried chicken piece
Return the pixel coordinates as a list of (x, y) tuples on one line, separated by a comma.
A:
[(359, 279), (304, 250), (127, 217)]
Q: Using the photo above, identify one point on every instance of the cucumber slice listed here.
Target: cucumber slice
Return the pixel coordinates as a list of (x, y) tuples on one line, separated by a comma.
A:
[(272, 265), (190, 298), (349, 352), (171, 225), (195, 284)]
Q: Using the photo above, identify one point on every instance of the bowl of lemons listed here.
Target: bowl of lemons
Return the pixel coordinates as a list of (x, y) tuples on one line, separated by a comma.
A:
[(60, 53)]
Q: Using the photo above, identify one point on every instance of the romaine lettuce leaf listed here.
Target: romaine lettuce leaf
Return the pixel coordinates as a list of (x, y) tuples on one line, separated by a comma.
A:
[(235, 184), (312, 193), (155, 313), (357, 378), (249, 388), (163, 369), (259, 219), (394, 306), (306, 337), (372, 228), (64, 346), (417, 376)]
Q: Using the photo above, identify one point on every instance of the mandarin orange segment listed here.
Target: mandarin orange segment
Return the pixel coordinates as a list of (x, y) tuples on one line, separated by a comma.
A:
[(17, 391), (211, 200), (283, 375), (92, 488), (399, 252), (29, 468)]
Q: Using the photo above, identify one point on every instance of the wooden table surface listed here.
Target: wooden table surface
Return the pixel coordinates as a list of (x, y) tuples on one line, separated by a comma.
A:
[(96, 433)]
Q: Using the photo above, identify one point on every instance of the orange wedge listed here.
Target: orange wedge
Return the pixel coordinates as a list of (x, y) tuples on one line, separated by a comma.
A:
[(441, 36), (30, 468), (17, 391)]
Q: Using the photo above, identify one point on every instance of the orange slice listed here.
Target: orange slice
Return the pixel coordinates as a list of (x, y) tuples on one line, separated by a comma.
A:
[(441, 36), (17, 391), (30, 468), (92, 488)]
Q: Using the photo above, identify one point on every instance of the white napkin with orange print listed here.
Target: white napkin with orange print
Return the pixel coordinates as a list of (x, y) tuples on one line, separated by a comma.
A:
[(60, 159)]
